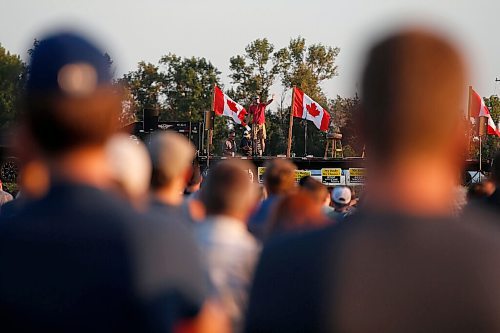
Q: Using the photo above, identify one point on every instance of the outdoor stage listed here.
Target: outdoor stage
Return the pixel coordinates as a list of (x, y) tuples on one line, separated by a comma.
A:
[(318, 163), (195, 132), (332, 172), (303, 163)]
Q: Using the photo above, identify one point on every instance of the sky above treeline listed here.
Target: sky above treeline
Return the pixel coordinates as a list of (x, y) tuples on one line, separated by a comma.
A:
[(132, 31)]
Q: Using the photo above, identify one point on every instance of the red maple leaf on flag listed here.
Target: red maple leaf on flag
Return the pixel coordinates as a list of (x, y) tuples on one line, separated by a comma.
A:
[(232, 106), (313, 109)]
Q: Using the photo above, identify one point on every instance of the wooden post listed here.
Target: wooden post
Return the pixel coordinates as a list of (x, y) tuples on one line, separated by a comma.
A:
[(480, 157), (468, 122), (470, 103), (211, 131), (289, 146)]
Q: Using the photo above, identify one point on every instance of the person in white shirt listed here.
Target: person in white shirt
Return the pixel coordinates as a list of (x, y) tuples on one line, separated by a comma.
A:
[(229, 249)]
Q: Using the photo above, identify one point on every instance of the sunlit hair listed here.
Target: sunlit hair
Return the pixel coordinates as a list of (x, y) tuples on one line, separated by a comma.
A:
[(279, 177), (296, 212)]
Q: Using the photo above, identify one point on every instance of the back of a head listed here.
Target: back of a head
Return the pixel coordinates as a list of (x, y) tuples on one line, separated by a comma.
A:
[(412, 97), (172, 155), (476, 191), (130, 165), (69, 100), (228, 188), (314, 188), (279, 177), (297, 212)]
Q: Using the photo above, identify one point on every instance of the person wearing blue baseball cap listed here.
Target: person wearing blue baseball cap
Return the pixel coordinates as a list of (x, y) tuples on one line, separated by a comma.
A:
[(80, 259)]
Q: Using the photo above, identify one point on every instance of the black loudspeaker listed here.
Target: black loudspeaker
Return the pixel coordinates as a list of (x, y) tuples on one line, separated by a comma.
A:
[(150, 116), (209, 120), (191, 130)]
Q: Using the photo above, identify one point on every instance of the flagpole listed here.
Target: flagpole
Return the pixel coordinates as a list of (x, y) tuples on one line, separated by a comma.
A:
[(305, 140), (480, 156), (211, 131), (469, 155), (290, 126)]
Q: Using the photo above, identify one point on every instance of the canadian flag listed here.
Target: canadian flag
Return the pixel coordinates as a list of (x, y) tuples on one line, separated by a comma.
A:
[(304, 107), (477, 108), (225, 106), (491, 127)]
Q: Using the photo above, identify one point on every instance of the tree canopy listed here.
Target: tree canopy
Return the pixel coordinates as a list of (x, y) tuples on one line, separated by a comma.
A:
[(187, 86), (306, 66), (253, 73), (12, 71)]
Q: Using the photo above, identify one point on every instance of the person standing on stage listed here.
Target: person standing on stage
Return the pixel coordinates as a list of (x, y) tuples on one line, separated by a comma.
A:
[(257, 110), (229, 147), (246, 144)]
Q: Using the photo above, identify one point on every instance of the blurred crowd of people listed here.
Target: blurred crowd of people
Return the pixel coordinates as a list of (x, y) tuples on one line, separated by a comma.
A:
[(109, 234)]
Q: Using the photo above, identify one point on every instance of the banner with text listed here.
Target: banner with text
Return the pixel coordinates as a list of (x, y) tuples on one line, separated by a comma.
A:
[(357, 176), (299, 174), (260, 174), (331, 176)]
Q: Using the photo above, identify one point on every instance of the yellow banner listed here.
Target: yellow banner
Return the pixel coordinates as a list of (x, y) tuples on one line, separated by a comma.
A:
[(331, 172), (357, 175), (331, 176), (299, 174), (260, 174)]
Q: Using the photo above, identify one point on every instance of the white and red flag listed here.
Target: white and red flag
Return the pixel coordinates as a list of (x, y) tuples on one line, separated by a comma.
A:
[(477, 108), (491, 128), (225, 106), (304, 107)]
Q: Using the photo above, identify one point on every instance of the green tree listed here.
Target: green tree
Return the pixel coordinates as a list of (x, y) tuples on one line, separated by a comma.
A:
[(253, 73), (306, 67), (128, 113), (181, 88), (32, 49), (146, 85), (277, 130), (343, 111), (491, 143), (187, 85), (12, 71), (110, 62)]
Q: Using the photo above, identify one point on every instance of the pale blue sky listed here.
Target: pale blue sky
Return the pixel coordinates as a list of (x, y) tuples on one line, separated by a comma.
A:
[(217, 30)]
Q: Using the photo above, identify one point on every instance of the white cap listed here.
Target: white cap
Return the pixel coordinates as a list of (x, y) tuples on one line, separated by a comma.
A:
[(341, 195)]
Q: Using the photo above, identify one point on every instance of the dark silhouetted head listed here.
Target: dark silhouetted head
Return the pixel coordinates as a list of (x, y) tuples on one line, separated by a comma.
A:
[(69, 100), (229, 190)]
